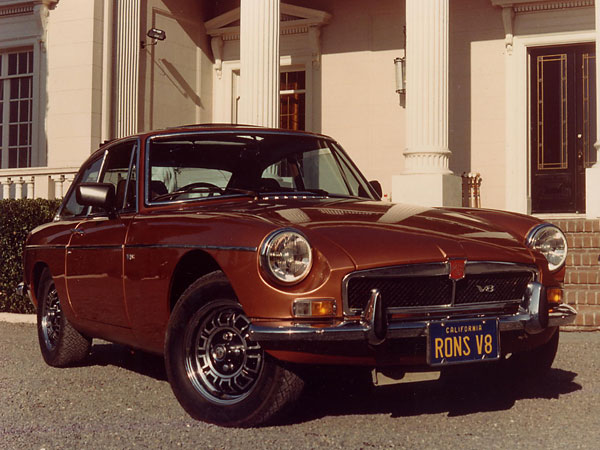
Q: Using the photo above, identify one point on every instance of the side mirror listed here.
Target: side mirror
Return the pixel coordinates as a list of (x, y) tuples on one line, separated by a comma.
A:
[(100, 195), (376, 185)]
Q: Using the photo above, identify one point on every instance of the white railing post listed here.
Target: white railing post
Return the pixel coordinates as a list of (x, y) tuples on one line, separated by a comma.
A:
[(30, 183), (58, 186), (19, 188), (6, 182)]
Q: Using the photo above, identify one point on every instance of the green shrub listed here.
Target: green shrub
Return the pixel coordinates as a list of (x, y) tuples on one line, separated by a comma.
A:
[(17, 219)]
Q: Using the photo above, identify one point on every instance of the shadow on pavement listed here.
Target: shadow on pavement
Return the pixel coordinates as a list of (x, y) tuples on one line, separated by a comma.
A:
[(106, 354), (461, 392), (458, 394)]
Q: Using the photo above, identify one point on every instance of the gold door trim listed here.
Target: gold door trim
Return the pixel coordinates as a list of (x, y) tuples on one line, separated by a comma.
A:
[(542, 164)]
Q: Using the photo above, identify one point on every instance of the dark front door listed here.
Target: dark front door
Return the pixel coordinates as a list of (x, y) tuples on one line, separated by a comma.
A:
[(563, 126)]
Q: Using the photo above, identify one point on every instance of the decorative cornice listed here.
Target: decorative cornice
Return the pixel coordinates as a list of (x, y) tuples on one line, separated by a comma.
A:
[(512, 7), (24, 7), (524, 6), (294, 20), (16, 10)]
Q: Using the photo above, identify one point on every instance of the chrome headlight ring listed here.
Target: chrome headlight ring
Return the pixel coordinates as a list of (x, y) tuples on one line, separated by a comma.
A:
[(286, 256), (551, 242)]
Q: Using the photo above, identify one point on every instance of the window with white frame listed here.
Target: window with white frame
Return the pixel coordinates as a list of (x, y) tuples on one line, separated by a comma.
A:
[(16, 105)]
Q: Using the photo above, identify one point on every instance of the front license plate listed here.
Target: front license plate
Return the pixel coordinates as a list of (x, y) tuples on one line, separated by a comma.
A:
[(460, 341)]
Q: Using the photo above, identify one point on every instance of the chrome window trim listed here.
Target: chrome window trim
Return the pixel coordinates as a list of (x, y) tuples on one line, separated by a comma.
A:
[(102, 155), (437, 269)]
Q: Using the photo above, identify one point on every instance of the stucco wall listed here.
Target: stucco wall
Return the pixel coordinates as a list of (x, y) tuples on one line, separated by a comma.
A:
[(74, 84), (176, 74), (477, 96)]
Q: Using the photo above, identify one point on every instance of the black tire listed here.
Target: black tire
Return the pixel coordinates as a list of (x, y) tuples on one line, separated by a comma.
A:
[(538, 360), (60, 343), (216, 372)]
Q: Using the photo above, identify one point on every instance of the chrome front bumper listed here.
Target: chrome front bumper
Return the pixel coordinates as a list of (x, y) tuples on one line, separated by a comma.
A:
[(532, 317), (21, 289)]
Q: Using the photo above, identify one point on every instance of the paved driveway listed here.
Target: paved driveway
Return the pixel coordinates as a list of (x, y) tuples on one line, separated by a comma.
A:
[(121, 400)]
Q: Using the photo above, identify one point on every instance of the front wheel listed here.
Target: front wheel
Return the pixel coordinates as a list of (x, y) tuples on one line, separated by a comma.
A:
[(537, 360), (61, 344), (216, 372)]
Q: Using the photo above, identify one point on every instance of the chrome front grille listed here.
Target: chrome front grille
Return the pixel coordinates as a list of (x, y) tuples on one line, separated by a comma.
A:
[(429, 286), (400, 292)]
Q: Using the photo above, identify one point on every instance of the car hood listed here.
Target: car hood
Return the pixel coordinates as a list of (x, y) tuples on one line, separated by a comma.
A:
[(381, 233)]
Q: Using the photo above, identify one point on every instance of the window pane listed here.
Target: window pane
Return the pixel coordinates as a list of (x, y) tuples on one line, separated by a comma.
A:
[(23, 157), (13, 133), (24, 111), (12, 158), (24, 134), (115, 172), (90, 174), (14, 88), (12, 64), (23, 62), (26, 87), (13, 112)]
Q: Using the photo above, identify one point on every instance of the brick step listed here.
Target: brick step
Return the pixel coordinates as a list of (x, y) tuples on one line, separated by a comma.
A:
[(588, 317), (582, 275), (582, 294)]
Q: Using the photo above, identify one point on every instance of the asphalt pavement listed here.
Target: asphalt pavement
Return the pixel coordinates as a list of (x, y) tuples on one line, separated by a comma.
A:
[(120, 399)]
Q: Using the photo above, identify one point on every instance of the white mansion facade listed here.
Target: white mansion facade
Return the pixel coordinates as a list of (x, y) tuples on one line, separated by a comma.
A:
[(504, 88)]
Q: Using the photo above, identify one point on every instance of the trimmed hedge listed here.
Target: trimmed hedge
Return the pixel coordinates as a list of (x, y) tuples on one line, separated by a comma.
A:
[(17, 219)]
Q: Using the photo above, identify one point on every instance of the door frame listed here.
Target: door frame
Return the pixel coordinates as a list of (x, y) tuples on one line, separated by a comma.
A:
[(518, 120)]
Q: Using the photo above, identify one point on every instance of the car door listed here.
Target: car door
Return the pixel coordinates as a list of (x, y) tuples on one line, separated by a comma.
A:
[(94, 262)]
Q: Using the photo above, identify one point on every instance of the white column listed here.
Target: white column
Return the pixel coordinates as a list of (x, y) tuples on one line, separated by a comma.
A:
[(427, 180), (259, 63), (127, 61), (592, 175)]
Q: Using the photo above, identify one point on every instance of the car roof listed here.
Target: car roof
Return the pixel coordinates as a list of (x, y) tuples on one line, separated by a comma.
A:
[(216, 127)]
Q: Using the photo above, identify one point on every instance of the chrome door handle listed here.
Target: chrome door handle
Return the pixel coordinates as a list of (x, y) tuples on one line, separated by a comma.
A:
[(77, 231)]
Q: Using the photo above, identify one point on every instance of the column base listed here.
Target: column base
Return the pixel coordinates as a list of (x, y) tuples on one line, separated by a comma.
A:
[(592, 192), (427, 189)]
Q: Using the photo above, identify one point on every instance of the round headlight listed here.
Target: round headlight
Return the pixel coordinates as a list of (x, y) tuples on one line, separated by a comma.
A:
[(551, 242), (286, 256)]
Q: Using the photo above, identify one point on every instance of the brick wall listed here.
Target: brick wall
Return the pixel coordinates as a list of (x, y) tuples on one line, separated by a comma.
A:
[(582, 278)]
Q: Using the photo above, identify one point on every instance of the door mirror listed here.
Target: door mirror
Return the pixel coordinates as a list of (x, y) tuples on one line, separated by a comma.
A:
[(376, 185), (100, 195)]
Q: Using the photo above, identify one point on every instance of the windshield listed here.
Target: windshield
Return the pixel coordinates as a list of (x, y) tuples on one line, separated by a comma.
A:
[(194, 166)]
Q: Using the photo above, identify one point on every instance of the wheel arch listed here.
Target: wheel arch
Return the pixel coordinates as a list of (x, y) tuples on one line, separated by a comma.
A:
[(190, 267), (36, 275)]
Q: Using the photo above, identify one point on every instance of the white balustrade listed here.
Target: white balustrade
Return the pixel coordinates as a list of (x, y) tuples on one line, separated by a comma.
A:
[(36, 182)]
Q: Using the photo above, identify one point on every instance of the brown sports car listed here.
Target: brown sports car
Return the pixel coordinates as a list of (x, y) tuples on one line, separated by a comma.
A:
[(248, 255)]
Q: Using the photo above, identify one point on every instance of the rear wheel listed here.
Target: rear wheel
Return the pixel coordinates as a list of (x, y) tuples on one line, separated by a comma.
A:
[(217, 373), (61, 344)]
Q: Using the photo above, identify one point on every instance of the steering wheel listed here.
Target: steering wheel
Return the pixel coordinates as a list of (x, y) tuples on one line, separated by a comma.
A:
[(212, 188)]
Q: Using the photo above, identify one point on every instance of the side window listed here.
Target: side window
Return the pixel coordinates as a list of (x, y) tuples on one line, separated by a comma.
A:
[(119, 170), (90, 174)]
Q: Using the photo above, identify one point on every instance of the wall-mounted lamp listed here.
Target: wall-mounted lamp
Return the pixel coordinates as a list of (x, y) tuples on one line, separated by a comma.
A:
[(400, 65), (156, 35)]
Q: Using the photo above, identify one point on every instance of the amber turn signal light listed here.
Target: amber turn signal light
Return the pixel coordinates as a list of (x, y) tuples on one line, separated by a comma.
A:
[(306, 307), (554, 295)]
